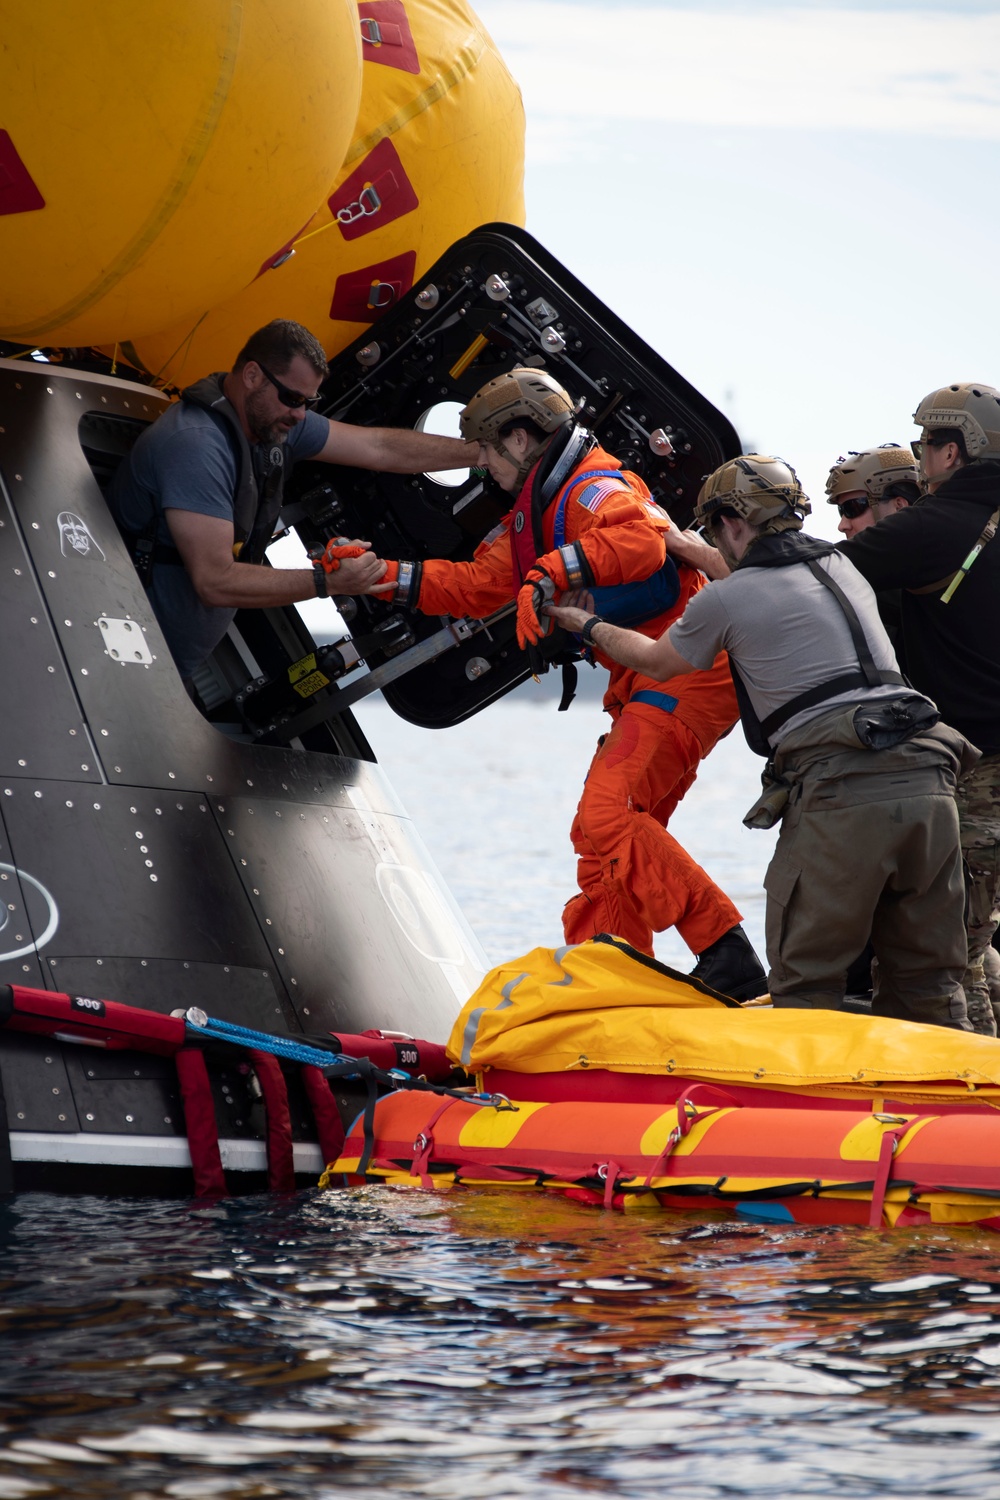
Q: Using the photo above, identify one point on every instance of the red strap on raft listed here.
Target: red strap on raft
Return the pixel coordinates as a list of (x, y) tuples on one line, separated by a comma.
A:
[(611, 1172), (883, 1172), (103, 1023), (673, 1140), (329, 1126), (199, 1121), (423, 1146), (280, 1160)]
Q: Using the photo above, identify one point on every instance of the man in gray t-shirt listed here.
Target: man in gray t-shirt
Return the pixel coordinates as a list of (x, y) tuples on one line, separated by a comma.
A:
[(859, 771), (179, 491)]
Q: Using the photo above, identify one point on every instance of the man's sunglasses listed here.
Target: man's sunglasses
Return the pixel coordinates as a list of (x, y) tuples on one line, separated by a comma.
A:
[(919, 444), (292, 399), (852, 509)]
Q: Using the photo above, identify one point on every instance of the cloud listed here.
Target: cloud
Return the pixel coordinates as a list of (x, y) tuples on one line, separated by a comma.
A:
[(900, 71)]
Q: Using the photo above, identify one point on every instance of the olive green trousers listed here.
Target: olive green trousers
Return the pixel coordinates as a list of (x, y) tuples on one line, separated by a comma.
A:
[(869, 843)]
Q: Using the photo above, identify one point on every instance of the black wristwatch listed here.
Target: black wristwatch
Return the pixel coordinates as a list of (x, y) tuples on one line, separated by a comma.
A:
[(321, 581), (587, 633)]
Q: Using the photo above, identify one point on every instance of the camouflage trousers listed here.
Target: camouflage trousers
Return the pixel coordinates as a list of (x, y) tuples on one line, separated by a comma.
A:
[(978, 797)]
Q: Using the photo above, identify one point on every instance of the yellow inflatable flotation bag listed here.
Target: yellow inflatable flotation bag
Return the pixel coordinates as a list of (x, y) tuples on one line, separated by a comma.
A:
[(438, 149), (153, 156), (602, 1005)]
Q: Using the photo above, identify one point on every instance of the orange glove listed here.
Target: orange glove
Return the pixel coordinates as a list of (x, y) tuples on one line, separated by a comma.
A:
[(336, 548), (538, 589)]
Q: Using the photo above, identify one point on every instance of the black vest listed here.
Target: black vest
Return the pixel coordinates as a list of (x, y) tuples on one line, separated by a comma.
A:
[(783, 551), (260, 477)]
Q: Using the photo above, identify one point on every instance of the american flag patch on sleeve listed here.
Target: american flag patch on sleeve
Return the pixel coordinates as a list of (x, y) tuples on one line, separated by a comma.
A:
[(593, 495)]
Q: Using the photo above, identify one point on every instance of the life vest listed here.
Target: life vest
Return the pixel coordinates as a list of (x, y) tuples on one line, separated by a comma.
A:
[(784, 551), (260, 480), (625, 604), (260, 477)]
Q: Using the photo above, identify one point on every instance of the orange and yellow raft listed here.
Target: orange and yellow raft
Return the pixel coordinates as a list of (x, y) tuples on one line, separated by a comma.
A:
[(682, 1100)]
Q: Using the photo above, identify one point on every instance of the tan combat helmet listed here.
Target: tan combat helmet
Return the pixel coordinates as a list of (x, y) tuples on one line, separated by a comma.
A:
[(764, 491), (521, 392), (870, 470), (971, 408)]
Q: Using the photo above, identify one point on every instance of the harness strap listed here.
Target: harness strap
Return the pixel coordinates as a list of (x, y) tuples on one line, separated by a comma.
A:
[(199, 1122), (867, 674), (329, 1126), (986, 536), (559, 524), (570, 677), (664, 701), (871, 671), (280, 1160)]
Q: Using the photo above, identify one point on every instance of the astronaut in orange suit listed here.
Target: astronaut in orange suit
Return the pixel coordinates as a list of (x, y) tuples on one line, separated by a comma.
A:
[(582, 523)]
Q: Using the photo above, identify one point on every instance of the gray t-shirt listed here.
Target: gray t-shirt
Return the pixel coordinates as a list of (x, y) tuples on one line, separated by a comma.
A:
[(186, 461), (786, 633)]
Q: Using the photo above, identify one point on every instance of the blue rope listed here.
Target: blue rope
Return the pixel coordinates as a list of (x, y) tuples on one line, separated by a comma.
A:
[(301, 1052)]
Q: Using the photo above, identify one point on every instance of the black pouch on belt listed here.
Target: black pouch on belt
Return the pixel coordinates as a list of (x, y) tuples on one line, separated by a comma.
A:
[(885, 723)]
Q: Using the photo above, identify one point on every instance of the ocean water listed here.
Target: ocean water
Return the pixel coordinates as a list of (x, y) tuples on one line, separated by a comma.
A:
[(502, 1344), (494, 799)]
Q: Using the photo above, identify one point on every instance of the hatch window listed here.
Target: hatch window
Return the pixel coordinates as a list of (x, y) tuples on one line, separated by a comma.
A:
[(442, 420)]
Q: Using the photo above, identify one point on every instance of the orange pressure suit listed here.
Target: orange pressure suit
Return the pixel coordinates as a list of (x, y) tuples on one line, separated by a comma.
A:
[(635, 878)]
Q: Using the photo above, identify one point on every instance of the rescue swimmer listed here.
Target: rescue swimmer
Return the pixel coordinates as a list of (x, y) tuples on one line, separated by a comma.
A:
[(580, 521), (857, 759)]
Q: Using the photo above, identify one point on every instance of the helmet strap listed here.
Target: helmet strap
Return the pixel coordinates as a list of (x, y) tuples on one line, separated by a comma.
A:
[(523, 465)]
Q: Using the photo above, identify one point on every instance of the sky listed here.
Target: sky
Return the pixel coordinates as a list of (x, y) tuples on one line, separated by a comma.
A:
[(796, 204)]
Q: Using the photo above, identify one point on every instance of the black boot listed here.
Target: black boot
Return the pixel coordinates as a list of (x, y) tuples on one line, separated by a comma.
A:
[(731, 967)]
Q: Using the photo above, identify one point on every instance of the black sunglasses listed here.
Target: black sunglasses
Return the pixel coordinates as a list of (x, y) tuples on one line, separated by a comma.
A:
[(852, 509), (292, 399), (919, 444)]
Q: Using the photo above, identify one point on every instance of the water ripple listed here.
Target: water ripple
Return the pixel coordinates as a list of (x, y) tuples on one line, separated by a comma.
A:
[(323, 1344)]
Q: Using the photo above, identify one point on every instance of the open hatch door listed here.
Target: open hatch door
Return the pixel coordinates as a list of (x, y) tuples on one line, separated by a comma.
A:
[(494, 300)]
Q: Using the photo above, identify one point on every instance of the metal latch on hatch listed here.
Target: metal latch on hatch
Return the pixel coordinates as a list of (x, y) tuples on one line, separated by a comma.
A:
[(451, 635)]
